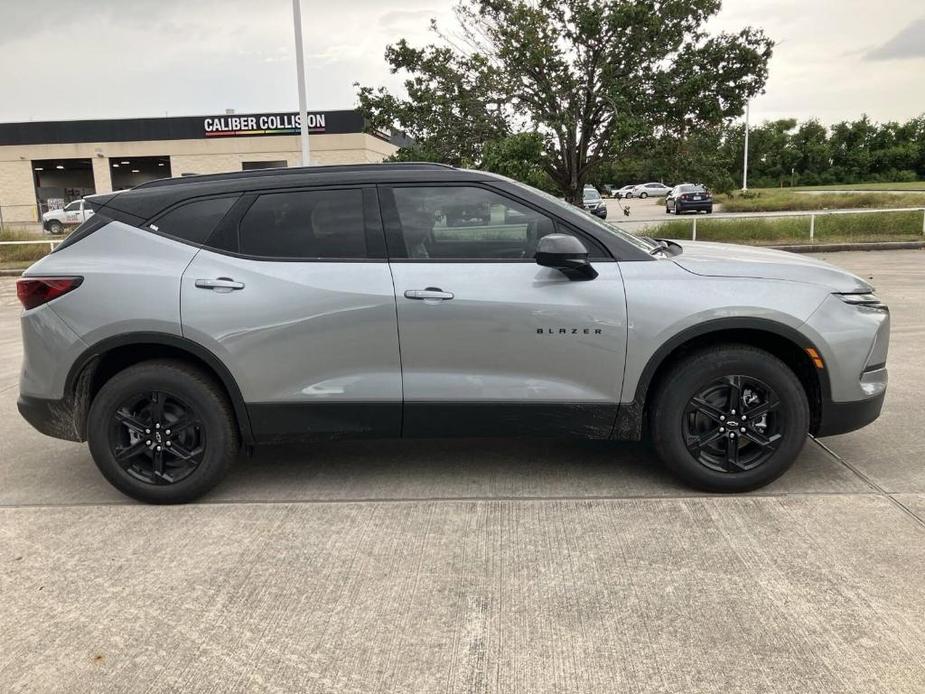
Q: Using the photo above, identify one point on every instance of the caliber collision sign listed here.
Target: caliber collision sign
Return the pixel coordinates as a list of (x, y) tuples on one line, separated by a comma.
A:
[(261, 124)]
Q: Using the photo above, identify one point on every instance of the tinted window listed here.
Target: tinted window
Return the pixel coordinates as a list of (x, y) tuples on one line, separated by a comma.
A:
[(305, 224), (467, 222), (193, 221), (72, 206)]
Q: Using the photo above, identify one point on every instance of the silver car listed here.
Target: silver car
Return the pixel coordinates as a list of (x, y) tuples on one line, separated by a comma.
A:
[(191, 318), (650, 190)]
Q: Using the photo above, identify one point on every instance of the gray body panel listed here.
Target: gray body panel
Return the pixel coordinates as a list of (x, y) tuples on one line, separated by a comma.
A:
[(664, 300), (725, 260), (491, 342), (131, 284), (298, 332)]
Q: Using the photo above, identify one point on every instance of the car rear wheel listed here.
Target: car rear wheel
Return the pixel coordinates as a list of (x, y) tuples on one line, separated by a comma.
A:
[(55, 227), (730, 418), (162, 431)]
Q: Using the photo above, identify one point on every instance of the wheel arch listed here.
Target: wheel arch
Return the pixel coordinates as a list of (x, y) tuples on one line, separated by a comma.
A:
[(111, 355), (783, 341)]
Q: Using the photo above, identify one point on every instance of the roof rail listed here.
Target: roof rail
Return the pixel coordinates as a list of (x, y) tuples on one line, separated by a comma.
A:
[(288, 171)]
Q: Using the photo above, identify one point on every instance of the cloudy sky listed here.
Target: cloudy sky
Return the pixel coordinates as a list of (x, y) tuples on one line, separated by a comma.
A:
[(65, 59)]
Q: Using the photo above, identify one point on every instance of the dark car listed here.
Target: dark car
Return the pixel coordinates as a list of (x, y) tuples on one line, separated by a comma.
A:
[(689, 197), (594, 203)]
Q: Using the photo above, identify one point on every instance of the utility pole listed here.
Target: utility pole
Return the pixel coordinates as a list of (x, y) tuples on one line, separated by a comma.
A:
[(300, 71), (745, 162)]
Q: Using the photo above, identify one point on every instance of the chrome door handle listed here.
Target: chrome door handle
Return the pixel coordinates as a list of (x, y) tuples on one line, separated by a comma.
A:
[(431, 293), (219, 284)]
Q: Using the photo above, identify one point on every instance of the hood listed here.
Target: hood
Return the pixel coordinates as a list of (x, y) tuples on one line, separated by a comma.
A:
[(730, 260)]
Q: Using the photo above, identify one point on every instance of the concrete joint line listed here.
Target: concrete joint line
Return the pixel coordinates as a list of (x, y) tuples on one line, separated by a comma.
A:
[(873, 485)]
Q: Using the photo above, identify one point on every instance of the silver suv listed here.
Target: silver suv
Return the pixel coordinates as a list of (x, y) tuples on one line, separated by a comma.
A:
[(191, 318)]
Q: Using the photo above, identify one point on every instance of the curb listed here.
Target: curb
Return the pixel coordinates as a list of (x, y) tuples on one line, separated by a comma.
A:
[(834, 247), (11, 273)]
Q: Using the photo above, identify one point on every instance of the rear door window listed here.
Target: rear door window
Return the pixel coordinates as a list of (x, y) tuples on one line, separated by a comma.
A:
[(193, 221), (320, 224)]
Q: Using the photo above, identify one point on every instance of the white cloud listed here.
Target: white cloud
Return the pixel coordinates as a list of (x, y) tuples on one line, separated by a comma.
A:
[(147, 57)]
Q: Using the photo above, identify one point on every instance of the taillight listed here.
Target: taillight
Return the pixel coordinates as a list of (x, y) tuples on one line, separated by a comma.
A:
[(35, 291)]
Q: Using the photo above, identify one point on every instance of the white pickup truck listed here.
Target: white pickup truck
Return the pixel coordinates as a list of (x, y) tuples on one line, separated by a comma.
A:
[(72, 214)]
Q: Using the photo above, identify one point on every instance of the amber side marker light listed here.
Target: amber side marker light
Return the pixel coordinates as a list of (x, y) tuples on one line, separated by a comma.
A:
[(814, 355)]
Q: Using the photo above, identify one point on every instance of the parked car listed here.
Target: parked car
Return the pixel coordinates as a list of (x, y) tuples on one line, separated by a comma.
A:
[(72, 214), (192, 317), (624, 192), (594, 203), (687, 197), (650, 190)]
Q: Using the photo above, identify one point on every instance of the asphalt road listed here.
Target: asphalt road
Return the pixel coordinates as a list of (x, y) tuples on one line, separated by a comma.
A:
[(476, 566)]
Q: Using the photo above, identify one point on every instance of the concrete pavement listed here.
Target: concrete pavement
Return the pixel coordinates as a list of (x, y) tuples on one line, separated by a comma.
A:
[(476, 566)]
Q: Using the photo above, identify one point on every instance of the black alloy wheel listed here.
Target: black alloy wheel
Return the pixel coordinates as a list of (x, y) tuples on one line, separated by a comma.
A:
[(157, 438), (733, 424), (163, 431), (729, 418)]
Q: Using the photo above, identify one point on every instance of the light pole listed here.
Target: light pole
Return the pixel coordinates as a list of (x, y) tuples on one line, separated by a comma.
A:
[(300, 71), (745, 162)]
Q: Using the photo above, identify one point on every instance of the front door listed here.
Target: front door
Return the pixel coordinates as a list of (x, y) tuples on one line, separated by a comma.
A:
[(491, 343)]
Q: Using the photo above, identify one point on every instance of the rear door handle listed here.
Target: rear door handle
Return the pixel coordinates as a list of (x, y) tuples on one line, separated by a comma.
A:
[(219, 284), (431, 293)]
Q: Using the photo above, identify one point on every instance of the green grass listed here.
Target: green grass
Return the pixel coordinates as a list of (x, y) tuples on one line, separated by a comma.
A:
[(786, 200), (21, 256), (848, 228), (905, 185)]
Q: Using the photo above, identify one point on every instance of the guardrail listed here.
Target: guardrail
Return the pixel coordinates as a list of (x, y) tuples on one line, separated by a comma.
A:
[(776, 215)]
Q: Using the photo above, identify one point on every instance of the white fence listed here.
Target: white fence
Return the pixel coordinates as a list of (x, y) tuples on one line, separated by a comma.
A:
[(775, 215)]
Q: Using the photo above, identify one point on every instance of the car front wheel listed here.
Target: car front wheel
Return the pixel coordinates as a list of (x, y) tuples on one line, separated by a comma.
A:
[(162, 431), (729, 418), (643, 195)]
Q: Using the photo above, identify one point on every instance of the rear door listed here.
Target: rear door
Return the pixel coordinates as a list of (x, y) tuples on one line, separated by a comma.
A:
[(492, 343), (294, 295)]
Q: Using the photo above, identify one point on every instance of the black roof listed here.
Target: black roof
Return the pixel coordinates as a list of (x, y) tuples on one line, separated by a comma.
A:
[(148, 199), (293, 171)]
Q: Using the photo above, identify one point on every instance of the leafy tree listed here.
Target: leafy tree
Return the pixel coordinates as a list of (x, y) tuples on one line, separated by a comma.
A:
[(592, 78), (518, 157)]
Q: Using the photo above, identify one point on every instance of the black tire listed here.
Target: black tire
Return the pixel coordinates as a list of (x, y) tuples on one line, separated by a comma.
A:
[(55, 227), (643, 195), (747, 460), (667, 209), (710, 209), (126, 407)]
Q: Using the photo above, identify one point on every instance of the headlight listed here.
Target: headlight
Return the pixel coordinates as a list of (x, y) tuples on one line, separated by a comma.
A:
[(867, 300)]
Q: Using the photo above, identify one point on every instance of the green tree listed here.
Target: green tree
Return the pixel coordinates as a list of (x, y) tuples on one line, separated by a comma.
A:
[(592, 78)]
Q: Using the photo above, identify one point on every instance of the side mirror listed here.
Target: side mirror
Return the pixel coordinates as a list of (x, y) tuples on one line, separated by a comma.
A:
[(566, 254)]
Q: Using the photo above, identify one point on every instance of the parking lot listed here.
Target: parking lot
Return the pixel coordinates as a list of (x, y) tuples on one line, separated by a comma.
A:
[(476, 566)]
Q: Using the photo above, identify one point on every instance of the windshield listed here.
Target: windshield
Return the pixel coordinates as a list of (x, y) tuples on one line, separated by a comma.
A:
[(592, 194), (636, 241)]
